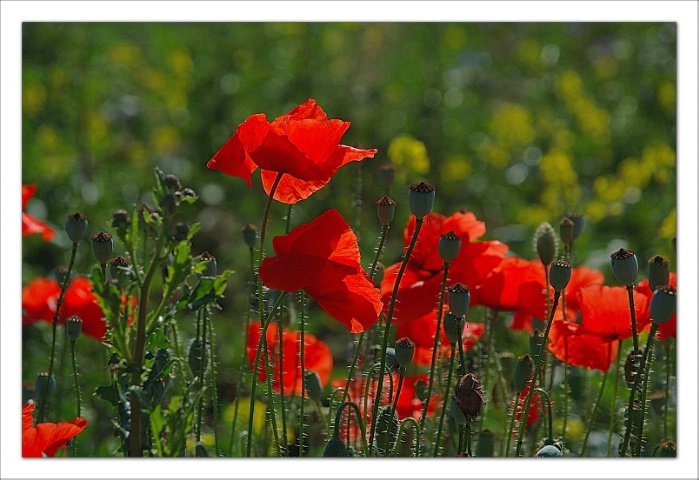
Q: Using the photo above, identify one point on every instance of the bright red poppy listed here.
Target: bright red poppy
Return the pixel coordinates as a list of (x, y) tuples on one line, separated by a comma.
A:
[(570, 344), (40, 296), (669, 328), (46, 439), (322, 257), (303, 144), (317, 356), (418, 293), (32, 225), (605, 311)]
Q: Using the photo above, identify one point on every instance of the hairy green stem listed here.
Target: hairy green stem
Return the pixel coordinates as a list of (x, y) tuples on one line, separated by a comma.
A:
[(452, 362), (591, 423), (612, 421), (303, 370), (212, 371), (77, 390)]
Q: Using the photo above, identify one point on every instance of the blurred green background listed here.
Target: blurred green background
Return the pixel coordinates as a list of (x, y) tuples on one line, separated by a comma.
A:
[(517, 122)]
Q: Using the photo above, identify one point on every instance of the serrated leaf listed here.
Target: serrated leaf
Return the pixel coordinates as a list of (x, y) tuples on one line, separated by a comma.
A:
[(108, 393)]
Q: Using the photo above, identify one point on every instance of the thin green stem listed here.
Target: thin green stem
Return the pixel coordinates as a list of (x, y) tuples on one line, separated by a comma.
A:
[(212, 371), (591, 423), (394, 407), (338, 416), (548, 407), (515, 406), (668, 350), (77, 390), (303, 370), (612, 421), (467, 434), (644, 392), (280, 330), (452, 362), (566, 388), (416, 437), (629, 290), (202, 367)]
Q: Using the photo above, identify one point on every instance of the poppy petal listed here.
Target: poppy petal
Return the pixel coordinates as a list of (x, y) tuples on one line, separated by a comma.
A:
[(568, 343)]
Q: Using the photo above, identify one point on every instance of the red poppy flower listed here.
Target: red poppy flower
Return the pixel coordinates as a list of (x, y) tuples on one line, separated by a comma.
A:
[(605, 311), (569, 343), (322, 257), (418, 294), (40, 296), (317, 356), (32, 225), (46, 439), (303, 144), (534, 412), (669, 328)]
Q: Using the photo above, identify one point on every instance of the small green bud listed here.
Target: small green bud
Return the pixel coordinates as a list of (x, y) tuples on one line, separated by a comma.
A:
[(566, 228), (73, 328), (449, 246), (172, 182), (486, 444), (391, 359), (421, 199), (102, 244), (250, 235), (663, 305), (388, 174), (210, 270), (197, 357), (405, 348), (523, 372), (385, 210), (453, 327), (119, 269), (120, 218), (545, 243), (458, 298), (314, 388), (421, 390), (335, 448), (578, 221), (625, 266), (560, 274), (548, 451), (76, 227), (181, 231), (658, 272)]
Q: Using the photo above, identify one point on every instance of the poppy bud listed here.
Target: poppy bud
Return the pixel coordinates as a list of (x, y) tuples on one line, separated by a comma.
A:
[(170, 201), (458, 297), (566, 229), (172, 182), (449, 246), (181, 231), (386, 428), (44, 386), (188, 193), (469, 395), (250, 235), (73, 327), (625, 266), (210, 270), (76, 226), (200, 450), (421, 390), (385, 210), (486, 444), (314, 389), (453, 327), (421, 199), (545, 243), (197, 357), (658, 272), (119, 269), (667, 449), (663, 305), (578, 221), (335, 448), (391, 359), (102, 244), (405, 348), (388, 174), (456, 412), (631, 366), (548, 451), (120, 218), (535, 342), (560, 274), (523, 372)]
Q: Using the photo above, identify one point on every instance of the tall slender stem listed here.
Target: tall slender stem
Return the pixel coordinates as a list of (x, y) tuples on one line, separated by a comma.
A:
[(77, 390), (668, 350), (515, 406), (280, 330), (214, 392), (629, 290), (566, 392), (401, 376), (452, 362), (548, 408), (591, 424), (202, 367), (644, 392), (303, 371), (612, 421)]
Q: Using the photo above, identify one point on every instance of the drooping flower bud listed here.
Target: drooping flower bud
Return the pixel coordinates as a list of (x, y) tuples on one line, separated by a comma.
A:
[(658, 272), (453, 327), (314, 388), (102, 244), (449, 246), (73, 328), (486, 444), (548, 451), (210, 270), (181, 231), (391, 360), (469, 395), (560, 274), (385, 210), (386, 428), (625, 266), (335, 448), (172, 182), (405, 348), (663, 305), (197, 357), (421, 199), (76, 227), (421, 390), (523, 372), (458, 298), (566, 229), (545, 243), (250, 235), (119, 269), (578, 221)]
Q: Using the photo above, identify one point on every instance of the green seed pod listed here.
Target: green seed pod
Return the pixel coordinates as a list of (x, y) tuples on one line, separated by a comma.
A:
[(405, 348), (663, 305), (625, 266), (566, 229), (458, 298), (119, 269), (386, 428), (421, 199), (388, 174), (102, 245), (449, 246), (172, 182), (391, 359), (210, 270), (578, 221), (548, 451), (486, 444), (658, 272), (250, 235), (453, 327), (545, 243), (76, 227), (523, 372), (314, 388), (335, 448), (197, 357), (385, 210), (560, 274), (73, 328)]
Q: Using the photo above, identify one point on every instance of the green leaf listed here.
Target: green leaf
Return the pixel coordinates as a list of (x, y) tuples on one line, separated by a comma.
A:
[(108, 393)]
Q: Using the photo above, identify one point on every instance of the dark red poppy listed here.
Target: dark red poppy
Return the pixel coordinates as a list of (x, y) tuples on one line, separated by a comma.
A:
[(304, 144), (322, 257), (669, 328), (605, 311), (570, 344), (418, 294), (317, 356), (32, 225), (46, 439), (534, 407)]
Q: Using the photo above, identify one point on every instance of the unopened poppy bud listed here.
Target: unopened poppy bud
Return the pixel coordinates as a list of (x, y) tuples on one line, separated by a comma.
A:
[(73, 328), (197, 357), (172, 182), (578, 221), (625, 266), (102, 244), (421, 199), (391, 359), (566, 229), (250, 235), (486, 444), (560, 274), (421, 390), (388, 174), (667, 449), (44, 386), (453, 327), (405, 348), (385, 210), (548, 451), (545, 243), (210, 270), (523, 372), (120, 218), (449, 246), (456, 413), (170, 202), (181, 231), (469, 395), (459, 298), (386, 428), (76, 227), (314, 388), (658, 272), (536, 340), (118, 269), (663, 305), (335, 448), (632, 364)]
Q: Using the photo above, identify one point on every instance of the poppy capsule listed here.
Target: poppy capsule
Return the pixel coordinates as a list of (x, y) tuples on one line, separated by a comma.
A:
[(385, 210), (663, 305), (578, 222), (449, 246), (625, 266), (545, 243), (658, 272), (421, 199), (250, 235), (560, 274), (566, 229), (405, 348), (459, 297), (102, 244), (76, 226)]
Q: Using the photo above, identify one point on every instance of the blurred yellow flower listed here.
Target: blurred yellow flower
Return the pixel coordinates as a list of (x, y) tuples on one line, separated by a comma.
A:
[(410, 156)]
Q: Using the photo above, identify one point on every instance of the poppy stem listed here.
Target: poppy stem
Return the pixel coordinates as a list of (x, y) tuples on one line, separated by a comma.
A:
[(338, 418), (389, 318), (644, 392), (591, 424), (214, 393), (629, 289), (539, 356), (401, 376), (416, 437), (515, 406), (548, 406), (302, 361), (202, 367), (435, 350), (492, 316), (668, 349), (612, 421), (566, 392), (452, 362), (280, 330), (77, 390)]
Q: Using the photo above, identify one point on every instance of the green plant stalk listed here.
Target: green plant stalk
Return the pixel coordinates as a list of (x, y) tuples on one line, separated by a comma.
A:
[(629, 290), (515, 406), (270, 393), (201, 322), (401, 375), (285, 444), (389, 318), (489, 352), (644, 392), (566, 388), (668, 350), (462, 434), (212, 371), (636, 383), (452, 362), (59, 303), (59, 377), (303, 371), (612, 422), (435, 348), (528, 400), (591, 424), (460, 343), (338, 416), (548, 405), (77, 390), (467, 434), (416, 440)]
